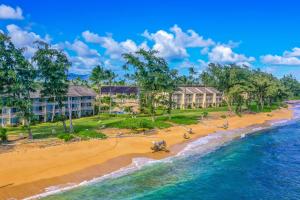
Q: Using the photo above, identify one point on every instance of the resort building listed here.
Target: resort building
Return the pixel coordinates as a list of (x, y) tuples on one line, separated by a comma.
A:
[(196, 97), (122, 96), (80, 99)]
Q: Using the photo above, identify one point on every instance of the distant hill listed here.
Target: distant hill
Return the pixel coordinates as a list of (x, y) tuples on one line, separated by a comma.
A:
[(72, 76)]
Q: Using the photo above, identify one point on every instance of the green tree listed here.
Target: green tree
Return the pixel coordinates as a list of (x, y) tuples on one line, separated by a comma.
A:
[(291, 84), (98, 77), (170, 85), (53, 66), (110, 76), (149, 72), (17, 80)]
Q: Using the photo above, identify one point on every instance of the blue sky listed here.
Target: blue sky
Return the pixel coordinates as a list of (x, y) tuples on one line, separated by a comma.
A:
[(187, 33)]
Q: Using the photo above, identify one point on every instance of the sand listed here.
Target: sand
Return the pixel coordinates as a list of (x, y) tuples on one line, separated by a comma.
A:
[(26, 172)]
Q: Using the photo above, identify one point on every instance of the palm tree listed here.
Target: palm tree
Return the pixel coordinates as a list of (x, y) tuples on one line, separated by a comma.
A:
[(110, 75), (98, 76)]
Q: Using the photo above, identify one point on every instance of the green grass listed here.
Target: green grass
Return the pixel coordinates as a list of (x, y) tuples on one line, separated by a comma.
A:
[(138, 123), (88, 134), (295, 98), (274, 106), (180, 119), (87, 127)]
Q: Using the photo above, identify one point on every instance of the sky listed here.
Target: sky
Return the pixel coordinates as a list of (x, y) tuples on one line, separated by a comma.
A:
[(257, 33)]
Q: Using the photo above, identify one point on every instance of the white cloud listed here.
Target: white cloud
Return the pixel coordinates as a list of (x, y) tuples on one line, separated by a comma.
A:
[(7, 12), (280, 60), (84, 59), (174, 44), (294, 53), (288, 58), (24, 39), (224, 54), (113, 48), (82, 49)]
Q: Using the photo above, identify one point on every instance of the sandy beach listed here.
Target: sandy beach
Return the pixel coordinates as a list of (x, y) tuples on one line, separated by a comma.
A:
[(26, 172)]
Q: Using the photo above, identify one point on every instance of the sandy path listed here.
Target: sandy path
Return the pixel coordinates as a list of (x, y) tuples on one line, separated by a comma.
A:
[(28, 172)]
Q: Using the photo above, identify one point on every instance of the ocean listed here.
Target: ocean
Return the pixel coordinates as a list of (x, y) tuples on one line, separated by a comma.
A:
[(229, 165)]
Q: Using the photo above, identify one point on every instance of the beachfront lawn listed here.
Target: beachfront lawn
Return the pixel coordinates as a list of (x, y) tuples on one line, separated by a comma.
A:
[(274, 106), (138, 123), (88, 127), (93, 124)]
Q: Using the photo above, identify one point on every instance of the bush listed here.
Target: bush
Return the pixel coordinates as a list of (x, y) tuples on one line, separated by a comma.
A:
[(66, 137), (3, 135), (205, 114), (87, 134)]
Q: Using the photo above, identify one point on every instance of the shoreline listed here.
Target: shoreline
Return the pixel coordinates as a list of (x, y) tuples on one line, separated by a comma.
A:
[(115, 162)]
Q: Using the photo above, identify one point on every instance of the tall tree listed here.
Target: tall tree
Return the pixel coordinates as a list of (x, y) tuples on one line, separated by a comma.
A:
[(53, 66), (17, 80), (148, 71), (98, 77), (170, 85), (110, 76), (291, 84), (7, 71)]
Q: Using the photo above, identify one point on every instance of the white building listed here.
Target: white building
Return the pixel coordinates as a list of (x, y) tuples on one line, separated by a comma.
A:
[(196, 97), (80, 99)]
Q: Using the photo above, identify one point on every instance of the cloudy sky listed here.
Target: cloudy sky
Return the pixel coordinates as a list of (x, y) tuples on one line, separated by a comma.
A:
[(187, 33)]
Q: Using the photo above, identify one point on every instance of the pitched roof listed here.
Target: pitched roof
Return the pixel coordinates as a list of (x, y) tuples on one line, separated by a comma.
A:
[(196, 90), (120, 89), (73, 91)]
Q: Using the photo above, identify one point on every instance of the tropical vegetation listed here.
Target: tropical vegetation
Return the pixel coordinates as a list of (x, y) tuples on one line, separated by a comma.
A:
[(243, 89)]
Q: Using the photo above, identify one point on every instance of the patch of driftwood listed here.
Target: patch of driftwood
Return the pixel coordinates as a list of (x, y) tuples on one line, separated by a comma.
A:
[(159, 146)]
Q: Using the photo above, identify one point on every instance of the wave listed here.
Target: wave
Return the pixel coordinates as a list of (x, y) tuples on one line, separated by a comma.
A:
[(200, 146)]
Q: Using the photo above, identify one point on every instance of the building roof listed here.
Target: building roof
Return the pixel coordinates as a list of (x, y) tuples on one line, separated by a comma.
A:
[(73, 91), (196, 90), (120, 89)]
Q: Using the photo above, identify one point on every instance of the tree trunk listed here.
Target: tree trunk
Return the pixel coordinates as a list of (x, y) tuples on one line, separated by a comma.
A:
[(228, 104), (2, 117), (261, 102), (53, 110), (99, 105), (110, 98), (71, 130), (63, 119), (152, 107), (30, 136), (170, 105)]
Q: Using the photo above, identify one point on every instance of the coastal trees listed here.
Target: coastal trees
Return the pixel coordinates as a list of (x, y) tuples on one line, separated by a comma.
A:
[(149, 72), (291, 84), (110, 76), (17, 78), (53, 67), (241, 85), (224, 78), (170, 86), (98, 76)]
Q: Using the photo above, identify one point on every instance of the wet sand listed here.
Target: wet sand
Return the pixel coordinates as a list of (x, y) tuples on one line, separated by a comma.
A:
[(28, 172)]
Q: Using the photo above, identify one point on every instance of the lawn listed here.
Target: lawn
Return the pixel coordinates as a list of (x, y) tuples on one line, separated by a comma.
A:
[(88, 127)]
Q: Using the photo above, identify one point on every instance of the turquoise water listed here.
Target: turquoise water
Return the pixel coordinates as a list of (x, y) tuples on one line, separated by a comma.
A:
[(264, 165)]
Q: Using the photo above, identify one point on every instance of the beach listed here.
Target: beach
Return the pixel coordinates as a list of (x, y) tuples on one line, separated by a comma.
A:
[(27, 172)]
